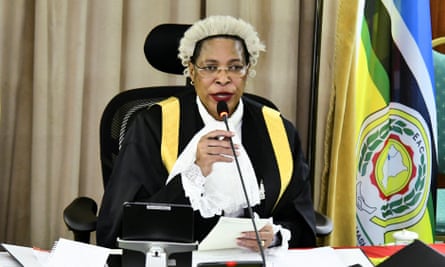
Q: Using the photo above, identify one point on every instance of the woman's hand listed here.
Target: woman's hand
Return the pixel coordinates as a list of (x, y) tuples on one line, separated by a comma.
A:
[(214, 147), (248, 239)]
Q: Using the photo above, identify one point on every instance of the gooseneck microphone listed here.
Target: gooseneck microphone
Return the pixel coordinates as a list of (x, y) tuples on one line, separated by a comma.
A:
[(223, 112)]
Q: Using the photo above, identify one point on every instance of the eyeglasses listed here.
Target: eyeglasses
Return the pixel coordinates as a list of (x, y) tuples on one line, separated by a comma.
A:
[(211, 71)]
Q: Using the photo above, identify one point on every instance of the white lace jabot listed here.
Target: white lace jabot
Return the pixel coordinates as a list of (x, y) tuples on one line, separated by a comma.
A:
[(221, 190)]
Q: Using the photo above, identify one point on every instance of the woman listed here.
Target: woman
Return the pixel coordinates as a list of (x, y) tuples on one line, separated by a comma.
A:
[(195, 165)]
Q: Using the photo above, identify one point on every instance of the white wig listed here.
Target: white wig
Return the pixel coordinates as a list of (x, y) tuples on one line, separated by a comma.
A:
[(220, 25)]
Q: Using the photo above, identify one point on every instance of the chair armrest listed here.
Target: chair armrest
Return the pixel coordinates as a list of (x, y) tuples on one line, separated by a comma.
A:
[(323, 224), (80, 215)]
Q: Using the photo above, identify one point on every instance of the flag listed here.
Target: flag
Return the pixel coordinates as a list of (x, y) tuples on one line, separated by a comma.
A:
[(396, 122)]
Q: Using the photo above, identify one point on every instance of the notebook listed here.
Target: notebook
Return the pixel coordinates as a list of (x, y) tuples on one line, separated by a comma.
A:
[(157, 222)]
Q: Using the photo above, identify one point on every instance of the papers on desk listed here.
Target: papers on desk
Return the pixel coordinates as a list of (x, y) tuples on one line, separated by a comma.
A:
[(351, 256), (227, 230), (315, 257), (70, 253), (220, 246), (24, 256), (7, 261), (65, 253), (223, 255)]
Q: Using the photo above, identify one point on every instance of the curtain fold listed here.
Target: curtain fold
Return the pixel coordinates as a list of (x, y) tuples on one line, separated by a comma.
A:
[(16, 74), (62, 61), (325, 81), (338, 178)]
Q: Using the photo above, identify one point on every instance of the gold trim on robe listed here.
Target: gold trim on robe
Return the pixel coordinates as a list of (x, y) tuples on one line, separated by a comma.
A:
[(275, 128)]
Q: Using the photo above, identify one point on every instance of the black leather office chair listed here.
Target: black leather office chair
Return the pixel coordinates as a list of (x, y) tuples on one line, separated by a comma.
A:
[(161, 52)]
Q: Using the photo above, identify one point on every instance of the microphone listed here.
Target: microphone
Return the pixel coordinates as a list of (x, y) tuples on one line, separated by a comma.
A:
[(223, 112)]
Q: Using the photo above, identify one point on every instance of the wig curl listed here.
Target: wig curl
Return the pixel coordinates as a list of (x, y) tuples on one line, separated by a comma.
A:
[(220, 25)]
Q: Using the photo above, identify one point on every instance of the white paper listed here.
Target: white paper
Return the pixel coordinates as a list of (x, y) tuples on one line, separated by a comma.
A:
[(70, 253), (223, 255), (227, 230), (24, 255), (351, 256), (6, 260), (66, 253), (314, 257)]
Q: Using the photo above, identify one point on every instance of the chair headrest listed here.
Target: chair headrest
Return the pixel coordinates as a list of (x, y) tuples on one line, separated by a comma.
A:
[(161, 47)]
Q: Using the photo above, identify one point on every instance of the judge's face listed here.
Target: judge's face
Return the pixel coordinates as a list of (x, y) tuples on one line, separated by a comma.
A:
[(219, 73)]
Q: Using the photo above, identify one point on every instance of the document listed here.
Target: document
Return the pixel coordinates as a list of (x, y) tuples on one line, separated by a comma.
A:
[(66, 253), (25, 256), (314, 257), (70, 253), (227, 230), (224, 255), (351, 256), (6, 260)]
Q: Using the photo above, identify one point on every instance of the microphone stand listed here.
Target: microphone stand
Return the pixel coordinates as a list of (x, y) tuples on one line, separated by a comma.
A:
[(249, 208)]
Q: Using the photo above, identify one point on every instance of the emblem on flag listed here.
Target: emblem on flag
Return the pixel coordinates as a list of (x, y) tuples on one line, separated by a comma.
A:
[(395, 168)]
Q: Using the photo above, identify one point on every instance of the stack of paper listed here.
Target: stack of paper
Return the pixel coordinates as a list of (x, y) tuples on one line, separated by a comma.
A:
[(65, 253), (227, 230), (26, 256), (220, 246), (74, 254)]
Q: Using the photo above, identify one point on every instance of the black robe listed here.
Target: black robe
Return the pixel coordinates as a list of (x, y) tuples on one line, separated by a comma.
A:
[(139, 174)]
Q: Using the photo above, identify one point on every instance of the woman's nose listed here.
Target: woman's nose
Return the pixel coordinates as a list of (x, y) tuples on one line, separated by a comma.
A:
[(222, 76)]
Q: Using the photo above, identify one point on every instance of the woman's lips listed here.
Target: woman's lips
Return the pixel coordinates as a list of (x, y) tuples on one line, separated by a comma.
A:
[(221, 97)]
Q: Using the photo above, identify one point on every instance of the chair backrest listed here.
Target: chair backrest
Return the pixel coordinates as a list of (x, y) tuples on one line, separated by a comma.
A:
[(161, 49), (118, 116)]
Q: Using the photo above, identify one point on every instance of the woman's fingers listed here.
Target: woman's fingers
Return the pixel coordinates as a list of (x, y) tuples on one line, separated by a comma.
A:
[(249, 240), (214, 147)]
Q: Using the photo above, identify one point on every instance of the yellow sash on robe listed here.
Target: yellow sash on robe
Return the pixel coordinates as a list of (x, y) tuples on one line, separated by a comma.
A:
[(274, 124)]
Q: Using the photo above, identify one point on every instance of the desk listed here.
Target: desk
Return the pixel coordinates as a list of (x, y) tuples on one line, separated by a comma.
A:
[(375, 253), (347, 256)]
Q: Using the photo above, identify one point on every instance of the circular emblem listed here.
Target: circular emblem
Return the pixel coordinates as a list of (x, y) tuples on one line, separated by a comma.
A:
[(393, 172)]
